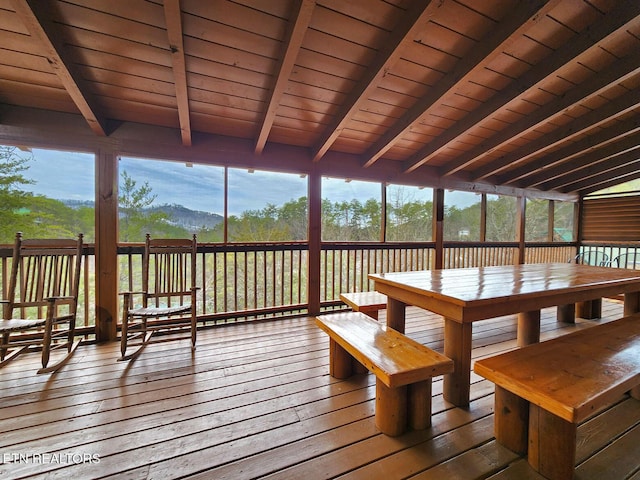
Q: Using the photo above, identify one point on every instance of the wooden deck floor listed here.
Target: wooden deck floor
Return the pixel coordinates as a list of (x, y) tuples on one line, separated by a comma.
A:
[(255, 400)]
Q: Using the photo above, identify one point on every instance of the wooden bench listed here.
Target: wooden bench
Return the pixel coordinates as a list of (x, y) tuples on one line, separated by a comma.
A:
[(365, 302), (544, 390), (403, 368)]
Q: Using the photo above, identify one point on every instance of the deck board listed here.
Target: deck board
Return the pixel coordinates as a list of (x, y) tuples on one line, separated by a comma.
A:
[(255, 401)]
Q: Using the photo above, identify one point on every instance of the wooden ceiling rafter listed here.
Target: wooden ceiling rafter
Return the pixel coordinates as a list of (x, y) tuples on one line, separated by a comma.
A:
[(613, 22), (173, 18), (623, 173), (488, 49), (573, 130), (414, 18), (595, 86), (561, 174), (298, 25), (36, 18)]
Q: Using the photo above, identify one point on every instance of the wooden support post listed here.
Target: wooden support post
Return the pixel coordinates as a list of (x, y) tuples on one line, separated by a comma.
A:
[(552, 444), (511, 420), (419, 405), (315, 241), (528, 328), (438, 226), (520, 230), (106, 257), (391, 409)]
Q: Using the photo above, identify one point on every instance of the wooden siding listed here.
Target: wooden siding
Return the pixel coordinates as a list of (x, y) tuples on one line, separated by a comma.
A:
[(614, 219)]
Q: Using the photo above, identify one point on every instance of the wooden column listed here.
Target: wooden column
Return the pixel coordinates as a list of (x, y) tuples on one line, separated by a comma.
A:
[(520, 229), (106, 245), (438, 226), (483, 217), (315, 241)]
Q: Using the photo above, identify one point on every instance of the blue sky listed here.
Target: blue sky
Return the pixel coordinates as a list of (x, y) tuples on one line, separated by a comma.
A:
[(70, 176)]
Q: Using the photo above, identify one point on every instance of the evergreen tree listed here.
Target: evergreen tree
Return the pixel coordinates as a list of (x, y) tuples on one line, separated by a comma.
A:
[(14, 201)]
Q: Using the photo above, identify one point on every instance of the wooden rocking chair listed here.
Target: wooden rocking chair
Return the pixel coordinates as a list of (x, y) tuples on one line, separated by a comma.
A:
[(168, 294), (42, 298)]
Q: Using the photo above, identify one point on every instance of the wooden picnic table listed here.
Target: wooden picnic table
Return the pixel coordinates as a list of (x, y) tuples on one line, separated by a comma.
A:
[(466, 295)]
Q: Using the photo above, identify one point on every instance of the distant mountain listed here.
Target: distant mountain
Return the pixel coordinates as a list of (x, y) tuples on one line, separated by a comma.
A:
[(189, 219), (179, 215)]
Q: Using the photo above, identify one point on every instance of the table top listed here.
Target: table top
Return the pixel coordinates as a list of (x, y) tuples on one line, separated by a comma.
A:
[(504, 289)]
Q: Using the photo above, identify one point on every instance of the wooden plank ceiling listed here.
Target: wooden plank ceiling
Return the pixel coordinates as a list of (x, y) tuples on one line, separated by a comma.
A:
[(534, 95)]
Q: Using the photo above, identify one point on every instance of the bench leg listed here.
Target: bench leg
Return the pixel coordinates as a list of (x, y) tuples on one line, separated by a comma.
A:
[(419, 405), (372, 312), (567, 313), (391, 409), (552, 444), (590, 309), (511, 421), (340, 361), (528, 328)]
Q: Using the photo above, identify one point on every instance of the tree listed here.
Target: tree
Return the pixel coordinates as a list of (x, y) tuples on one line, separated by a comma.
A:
[(13, 199), (135, 221)]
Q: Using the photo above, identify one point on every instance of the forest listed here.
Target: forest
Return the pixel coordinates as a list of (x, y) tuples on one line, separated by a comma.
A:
[(355, 220)]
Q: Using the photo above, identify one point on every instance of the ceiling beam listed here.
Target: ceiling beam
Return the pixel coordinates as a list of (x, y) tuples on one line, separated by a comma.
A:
[(173, 18), (614, 21), (37, 19), (577, 128), (522, 17), (298, 25), (404, 33)]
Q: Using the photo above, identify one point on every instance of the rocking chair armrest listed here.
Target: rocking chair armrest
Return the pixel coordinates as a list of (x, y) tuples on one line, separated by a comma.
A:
[(132, 293)]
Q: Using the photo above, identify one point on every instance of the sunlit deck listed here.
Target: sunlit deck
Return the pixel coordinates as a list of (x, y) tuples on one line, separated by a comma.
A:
[(256, 400)]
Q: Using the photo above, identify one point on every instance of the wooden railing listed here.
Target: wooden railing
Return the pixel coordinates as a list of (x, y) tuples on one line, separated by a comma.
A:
[(247, 282)]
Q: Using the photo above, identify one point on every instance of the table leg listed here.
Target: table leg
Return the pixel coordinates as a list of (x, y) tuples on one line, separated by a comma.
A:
[(396, 314), (528, 328), (457, 346), (567, 313), (631, 303), (590, 309)]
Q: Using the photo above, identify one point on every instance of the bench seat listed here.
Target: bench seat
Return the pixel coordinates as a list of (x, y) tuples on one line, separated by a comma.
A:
[(403, 367), (366, 302), (544, 390)]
